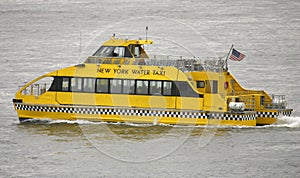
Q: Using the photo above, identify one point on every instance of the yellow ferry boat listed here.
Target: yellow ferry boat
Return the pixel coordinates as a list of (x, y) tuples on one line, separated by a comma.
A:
[(121, 83)]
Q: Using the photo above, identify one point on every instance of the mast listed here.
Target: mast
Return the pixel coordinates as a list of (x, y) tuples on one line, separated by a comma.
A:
[(226, 61)]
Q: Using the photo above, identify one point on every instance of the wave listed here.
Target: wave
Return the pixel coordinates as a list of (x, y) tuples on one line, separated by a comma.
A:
[(292, 122)]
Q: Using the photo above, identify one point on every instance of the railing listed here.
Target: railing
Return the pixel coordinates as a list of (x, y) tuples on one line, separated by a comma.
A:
[(182, 63), (107, 60), (247, 92), (278, 102), (248, 100), (187, 64), (34, 89)]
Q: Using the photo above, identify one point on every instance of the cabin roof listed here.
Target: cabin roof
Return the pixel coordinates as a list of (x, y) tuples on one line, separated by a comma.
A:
[(125, 42)]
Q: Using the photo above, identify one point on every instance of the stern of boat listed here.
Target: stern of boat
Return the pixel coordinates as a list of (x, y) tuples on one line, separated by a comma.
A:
[(278, 108)]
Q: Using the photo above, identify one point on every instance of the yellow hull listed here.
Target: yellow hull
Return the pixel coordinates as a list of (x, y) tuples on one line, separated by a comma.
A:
[(265, 120), (270, 116), (133, 115)]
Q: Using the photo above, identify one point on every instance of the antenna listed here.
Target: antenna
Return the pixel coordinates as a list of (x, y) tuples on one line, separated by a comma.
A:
[(79, 46), (146, 32)]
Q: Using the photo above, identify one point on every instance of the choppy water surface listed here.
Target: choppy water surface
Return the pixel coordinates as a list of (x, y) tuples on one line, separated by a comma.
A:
[(41, 36)]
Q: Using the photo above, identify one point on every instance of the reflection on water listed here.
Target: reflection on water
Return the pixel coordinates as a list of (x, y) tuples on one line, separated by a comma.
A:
[(59, 130), (135, 132), (110, 131)]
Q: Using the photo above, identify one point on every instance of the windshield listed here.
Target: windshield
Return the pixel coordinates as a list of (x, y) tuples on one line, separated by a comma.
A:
[(112, 51)]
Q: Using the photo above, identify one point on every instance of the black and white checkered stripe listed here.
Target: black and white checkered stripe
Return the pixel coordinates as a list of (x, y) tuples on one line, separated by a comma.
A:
[(274, 114), (285, 113), (135, 112), (268, 114), (231, 116)]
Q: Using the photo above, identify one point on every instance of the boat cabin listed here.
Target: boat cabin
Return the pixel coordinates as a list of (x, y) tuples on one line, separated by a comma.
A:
[(120, 51)]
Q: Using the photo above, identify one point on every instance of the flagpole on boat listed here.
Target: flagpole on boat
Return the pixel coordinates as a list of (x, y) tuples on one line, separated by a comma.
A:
[(226, 61)]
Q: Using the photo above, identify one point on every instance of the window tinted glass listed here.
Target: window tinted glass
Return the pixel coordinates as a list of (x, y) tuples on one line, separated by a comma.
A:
[(215, 86), (142, 87), (184, 89), (116, 86), (89, 85), (137, 51), (155, 87), (104, 51), (167, 88), (119, 52), (128, 86), (65, 84), (102, 86), (76, 84)]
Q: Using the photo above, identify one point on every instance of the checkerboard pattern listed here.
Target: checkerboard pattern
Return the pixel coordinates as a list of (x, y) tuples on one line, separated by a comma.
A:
[(135, 112), (268, 114), (285, 113), (274, 114)]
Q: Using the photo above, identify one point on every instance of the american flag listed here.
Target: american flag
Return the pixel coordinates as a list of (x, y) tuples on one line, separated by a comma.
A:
[(236, 56)]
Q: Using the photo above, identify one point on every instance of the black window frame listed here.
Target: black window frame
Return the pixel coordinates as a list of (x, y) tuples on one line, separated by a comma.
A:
[(178, 88), (108, 85), (148, 88)]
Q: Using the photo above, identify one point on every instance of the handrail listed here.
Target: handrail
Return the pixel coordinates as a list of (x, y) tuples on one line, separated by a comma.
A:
[(180, 62), (248, 100), (188, 64), (35, 89), (247, 92)]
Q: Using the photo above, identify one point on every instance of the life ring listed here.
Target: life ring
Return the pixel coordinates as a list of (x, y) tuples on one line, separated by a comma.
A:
[(225, 85)]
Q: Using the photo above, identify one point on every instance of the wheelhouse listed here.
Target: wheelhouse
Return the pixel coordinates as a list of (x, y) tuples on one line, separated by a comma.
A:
[(120, 51)]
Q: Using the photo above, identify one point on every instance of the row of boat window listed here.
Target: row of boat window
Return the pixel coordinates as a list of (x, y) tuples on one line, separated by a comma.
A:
[(123, 86)]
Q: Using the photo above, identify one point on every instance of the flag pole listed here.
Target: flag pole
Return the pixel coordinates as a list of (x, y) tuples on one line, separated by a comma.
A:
[(226, 61)]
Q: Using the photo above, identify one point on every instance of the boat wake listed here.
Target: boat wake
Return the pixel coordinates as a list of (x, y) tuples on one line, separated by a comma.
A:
[(292, 122), (285, 121)]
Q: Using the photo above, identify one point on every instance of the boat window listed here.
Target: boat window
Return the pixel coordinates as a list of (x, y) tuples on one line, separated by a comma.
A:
[(155, 87), (76, 84), (167, 88), (102, 85), (65, 84), (135, 50), (125, 86), (89, 85), (184, 89), (104, 51), (215, 86), (56, 84), (112, 51), (262, 100), (128, 86), (116, 86), (142, 87), (200, 84), (119, 52), (60, 84)]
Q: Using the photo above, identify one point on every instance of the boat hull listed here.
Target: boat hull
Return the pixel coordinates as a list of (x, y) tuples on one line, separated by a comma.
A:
[(270, 116), (132, 115)]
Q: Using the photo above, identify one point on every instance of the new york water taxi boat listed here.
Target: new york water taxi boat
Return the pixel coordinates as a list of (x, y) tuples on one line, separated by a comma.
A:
[(121, 83)]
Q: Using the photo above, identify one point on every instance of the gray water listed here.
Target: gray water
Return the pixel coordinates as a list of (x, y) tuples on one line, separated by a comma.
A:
[(39, 36)]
